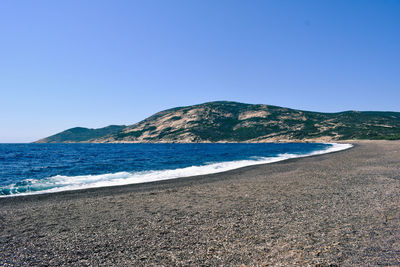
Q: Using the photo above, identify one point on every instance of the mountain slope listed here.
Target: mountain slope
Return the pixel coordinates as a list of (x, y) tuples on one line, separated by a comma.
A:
[(237, 122), (80, 134)]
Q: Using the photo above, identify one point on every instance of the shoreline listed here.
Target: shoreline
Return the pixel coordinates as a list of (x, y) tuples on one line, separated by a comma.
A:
[(337, 208), (178, 181), (218, 167)]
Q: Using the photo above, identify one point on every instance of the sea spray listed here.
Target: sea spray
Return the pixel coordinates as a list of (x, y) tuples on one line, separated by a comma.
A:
[(199, 159)]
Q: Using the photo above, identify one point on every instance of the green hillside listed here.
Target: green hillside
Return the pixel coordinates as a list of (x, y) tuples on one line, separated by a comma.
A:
[(80, 134), (237, 122)]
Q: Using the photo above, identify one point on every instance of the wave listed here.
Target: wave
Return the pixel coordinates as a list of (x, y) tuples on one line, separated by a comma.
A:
[(60, 183)]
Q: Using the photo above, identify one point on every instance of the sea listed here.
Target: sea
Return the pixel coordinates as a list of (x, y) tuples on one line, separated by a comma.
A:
[(27, 169)]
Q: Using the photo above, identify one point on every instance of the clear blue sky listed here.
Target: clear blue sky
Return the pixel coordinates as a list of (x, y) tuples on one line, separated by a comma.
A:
[(94, 63)]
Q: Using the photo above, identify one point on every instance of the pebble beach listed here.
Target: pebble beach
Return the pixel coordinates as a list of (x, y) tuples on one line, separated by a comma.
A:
[(340, 209)]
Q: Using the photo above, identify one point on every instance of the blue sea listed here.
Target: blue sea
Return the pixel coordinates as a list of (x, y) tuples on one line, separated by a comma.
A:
[(46, 168)]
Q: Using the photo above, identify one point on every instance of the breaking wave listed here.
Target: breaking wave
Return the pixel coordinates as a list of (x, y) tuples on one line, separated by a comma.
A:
[(60, 183)]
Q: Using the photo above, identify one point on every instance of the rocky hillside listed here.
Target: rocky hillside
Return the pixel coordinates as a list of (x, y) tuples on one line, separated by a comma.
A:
[(238, 122)]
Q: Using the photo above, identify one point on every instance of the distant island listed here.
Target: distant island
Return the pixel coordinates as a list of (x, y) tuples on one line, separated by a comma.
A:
[(224, 121)]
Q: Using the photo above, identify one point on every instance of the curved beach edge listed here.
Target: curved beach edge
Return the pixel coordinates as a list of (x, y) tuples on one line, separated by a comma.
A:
[(154, 177)]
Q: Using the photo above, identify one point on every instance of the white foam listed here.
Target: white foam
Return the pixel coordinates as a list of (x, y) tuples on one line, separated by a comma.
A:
[(66, 183)]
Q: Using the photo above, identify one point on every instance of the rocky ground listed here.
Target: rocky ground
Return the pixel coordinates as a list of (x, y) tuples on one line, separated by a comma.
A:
[(335, 209)]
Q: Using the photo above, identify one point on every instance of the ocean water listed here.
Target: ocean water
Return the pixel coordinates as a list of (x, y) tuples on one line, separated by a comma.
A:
[(45, 168)]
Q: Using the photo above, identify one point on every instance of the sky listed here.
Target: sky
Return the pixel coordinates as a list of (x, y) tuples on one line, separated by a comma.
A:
[(94, 63)]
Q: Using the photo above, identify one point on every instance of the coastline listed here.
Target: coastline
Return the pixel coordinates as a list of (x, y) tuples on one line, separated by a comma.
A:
[(127, 178), (336, 208)]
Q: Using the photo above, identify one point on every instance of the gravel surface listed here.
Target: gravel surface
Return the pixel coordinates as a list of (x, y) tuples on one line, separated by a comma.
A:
[(335, 209)]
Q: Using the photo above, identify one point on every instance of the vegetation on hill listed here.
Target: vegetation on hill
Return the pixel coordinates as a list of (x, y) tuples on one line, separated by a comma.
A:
[(80, 134), (237, 122)]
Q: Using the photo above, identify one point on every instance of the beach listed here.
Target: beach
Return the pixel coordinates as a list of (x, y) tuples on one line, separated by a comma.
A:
[(340, 208)]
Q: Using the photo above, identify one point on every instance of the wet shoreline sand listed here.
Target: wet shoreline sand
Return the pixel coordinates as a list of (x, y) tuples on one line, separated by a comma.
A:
[(341, 208)]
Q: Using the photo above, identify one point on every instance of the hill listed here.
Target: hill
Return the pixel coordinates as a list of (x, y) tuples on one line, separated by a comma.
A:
[(80, 134), (224, 121)]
